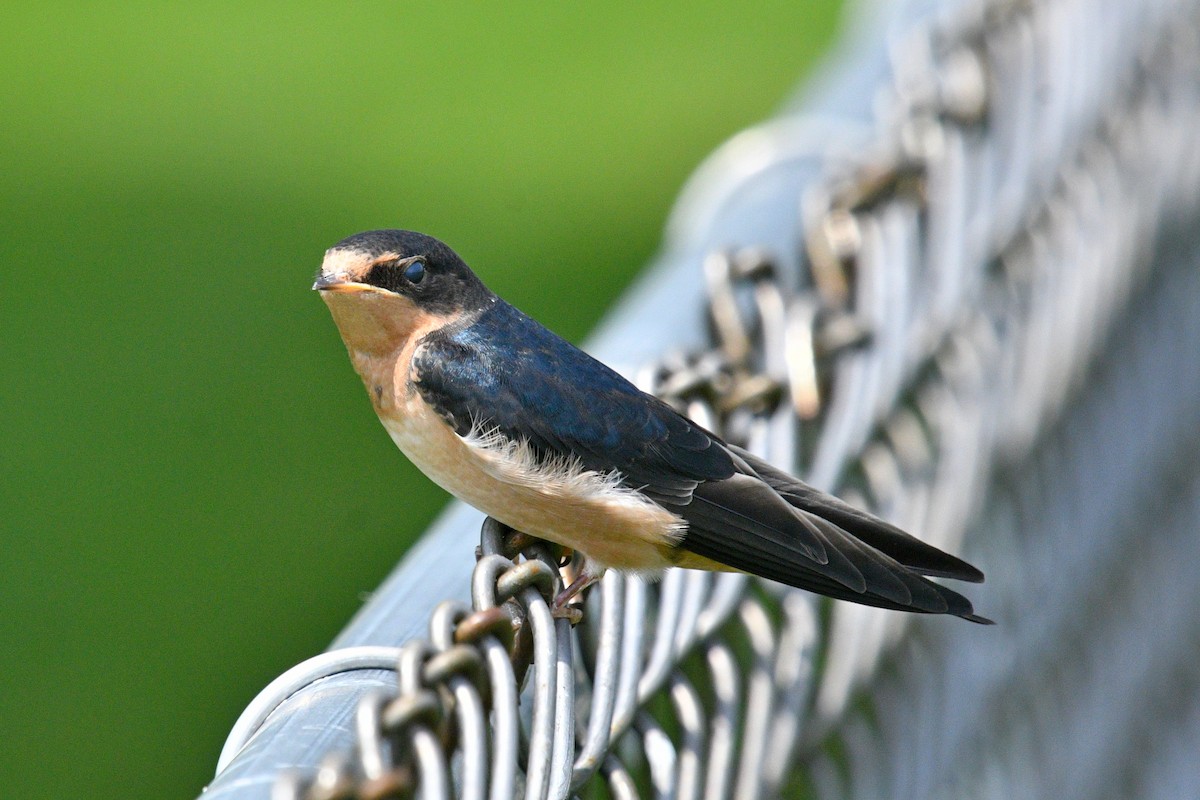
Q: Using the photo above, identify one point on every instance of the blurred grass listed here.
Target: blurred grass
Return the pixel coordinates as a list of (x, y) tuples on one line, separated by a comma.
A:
[(185, 447)]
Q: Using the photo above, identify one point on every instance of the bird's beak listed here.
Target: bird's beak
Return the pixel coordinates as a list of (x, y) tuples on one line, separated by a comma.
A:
[(332, 283)]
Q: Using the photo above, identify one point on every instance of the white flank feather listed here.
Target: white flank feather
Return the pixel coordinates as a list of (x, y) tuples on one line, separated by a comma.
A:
[(514, 461)]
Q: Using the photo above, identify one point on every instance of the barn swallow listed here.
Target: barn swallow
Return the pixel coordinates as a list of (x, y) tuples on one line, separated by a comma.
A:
[(519, 423)]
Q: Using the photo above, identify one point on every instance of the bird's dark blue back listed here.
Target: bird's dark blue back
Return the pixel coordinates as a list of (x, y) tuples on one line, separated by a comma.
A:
[(506, 371)]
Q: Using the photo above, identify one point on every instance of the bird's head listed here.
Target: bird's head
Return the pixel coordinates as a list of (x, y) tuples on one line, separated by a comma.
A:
[(384, 286)]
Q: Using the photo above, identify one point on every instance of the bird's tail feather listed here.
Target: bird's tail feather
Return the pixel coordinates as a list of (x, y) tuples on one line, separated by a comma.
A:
[(796, 535), (908, 550)]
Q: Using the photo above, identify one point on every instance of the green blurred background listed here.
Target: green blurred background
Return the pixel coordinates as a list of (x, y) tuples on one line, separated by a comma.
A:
[(184, 442)]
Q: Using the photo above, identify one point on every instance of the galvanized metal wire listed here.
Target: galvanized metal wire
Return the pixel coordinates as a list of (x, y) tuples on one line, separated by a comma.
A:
[(908, 323)]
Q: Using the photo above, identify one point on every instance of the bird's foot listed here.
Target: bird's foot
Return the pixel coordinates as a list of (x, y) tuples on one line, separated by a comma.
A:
[(572, 614), (562, 607)]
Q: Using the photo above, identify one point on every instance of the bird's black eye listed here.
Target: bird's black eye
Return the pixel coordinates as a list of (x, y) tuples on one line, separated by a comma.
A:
[(415, 272)]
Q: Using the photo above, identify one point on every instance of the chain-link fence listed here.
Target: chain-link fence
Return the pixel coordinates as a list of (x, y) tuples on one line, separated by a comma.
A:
[(960, 285)]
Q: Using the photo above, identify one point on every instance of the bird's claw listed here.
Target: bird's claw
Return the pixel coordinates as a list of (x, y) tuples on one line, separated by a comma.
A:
[(561, 607), (572, 614)]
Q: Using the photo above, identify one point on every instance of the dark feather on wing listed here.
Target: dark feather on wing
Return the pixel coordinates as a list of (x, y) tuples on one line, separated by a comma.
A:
[(883, 536)]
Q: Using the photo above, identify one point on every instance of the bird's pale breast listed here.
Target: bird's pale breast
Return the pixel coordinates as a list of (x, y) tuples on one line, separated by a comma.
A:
[(587, 511)]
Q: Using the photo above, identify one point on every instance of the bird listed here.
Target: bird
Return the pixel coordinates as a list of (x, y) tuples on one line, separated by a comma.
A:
[(519, 423)]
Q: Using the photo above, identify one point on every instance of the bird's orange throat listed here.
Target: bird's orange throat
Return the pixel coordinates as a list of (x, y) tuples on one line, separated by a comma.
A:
[(374, 322), (381, 331)]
